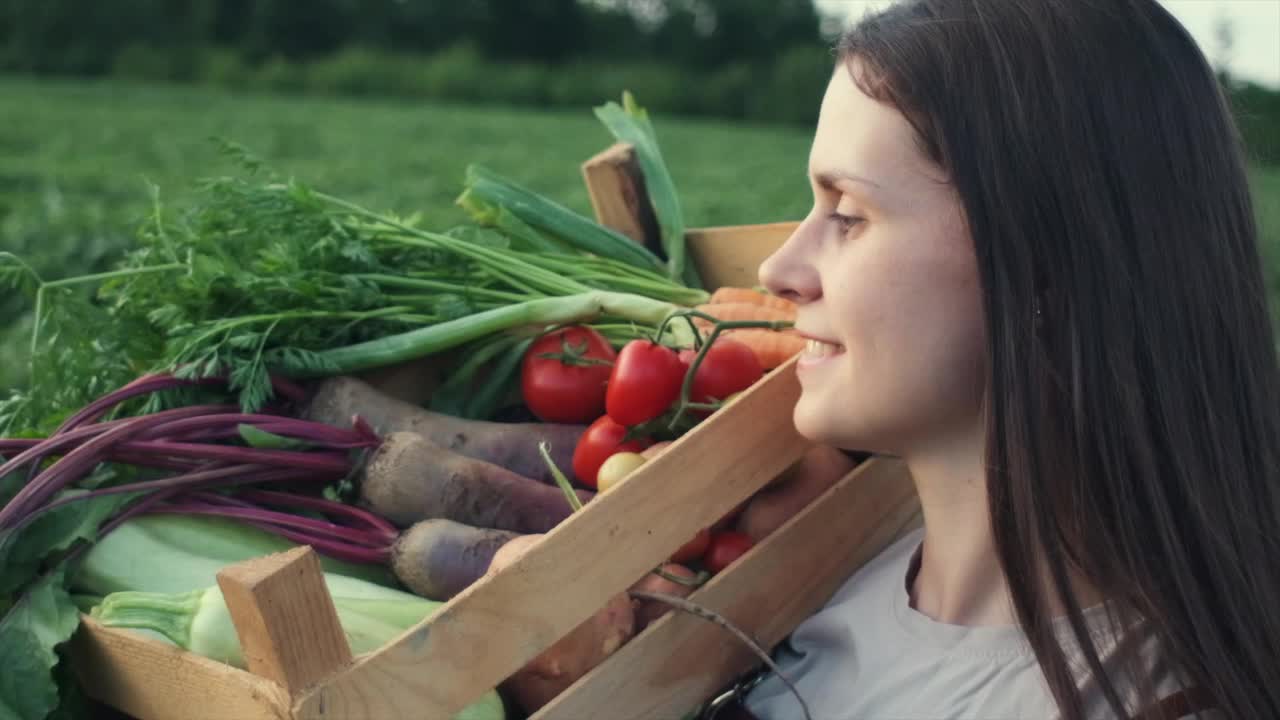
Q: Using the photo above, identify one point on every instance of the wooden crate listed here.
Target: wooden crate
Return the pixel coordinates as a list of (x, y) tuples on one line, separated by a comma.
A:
[(300, 666)]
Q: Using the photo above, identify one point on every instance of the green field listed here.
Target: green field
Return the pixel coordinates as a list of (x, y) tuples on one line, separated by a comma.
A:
[(76, 159)]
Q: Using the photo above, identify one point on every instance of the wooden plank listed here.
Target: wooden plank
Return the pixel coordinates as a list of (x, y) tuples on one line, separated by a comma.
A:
[(500, 623), (150, 680), (285, 618), (615, 185), (681, 660), (731, 255)]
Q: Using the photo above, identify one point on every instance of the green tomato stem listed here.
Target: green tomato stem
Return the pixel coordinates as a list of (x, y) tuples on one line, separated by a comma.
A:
[(717, 327), (561, 480)]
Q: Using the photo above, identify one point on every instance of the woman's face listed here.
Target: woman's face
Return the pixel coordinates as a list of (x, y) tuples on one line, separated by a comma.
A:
[(884, 273)]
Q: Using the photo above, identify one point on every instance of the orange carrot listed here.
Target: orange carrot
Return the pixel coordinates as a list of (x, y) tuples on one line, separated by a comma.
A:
[(747, 295), (772, 347), (728, 312)]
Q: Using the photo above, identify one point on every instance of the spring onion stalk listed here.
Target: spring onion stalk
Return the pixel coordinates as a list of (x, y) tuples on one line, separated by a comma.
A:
[(605, 274), (489, 214), (436, 338), (630, 123), (553, 218)]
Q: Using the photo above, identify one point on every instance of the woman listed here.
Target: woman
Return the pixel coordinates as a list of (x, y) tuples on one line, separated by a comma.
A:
[(1031, 271)]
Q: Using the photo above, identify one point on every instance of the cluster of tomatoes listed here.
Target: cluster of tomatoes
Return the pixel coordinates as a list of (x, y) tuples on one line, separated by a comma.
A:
[(627, 397)]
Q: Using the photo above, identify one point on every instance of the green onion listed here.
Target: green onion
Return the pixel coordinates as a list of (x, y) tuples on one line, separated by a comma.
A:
[(486, 186), (630, 124)]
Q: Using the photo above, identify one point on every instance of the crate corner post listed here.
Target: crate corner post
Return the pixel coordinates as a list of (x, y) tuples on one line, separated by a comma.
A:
[(615, 185), (286, 619)]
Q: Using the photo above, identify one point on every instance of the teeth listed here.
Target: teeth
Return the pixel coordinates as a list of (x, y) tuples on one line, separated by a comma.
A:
[(817, 348)]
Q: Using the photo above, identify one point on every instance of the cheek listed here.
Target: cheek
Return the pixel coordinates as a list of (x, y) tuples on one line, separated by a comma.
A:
[(913, 332)]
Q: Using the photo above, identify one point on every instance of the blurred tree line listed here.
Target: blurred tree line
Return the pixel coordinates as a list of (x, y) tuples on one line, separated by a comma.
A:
[(765, 60), (86, 37), (756, 59)]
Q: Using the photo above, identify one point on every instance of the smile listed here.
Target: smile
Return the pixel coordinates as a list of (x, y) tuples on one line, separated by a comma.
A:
[(817, 352), (818, 349)]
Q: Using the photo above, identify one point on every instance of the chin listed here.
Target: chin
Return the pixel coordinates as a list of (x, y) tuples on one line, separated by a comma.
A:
[(817, 423), (840, 426)]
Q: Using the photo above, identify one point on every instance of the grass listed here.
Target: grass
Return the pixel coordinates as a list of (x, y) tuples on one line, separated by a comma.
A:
[(76, 159)]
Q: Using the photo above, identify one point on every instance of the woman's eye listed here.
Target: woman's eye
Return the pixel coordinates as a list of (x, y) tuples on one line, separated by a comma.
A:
[(846, 223)]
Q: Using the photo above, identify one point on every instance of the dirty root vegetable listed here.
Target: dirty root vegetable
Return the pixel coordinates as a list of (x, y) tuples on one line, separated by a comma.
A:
[(513, 446), (647, 611), (575, 654), (816, 471), (407, 479), (440, 558)]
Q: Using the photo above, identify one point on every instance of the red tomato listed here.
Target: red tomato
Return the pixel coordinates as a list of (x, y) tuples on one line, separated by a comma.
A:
[(727, 368), (601, 439), (570, 387), (693, 549), (645, 381), (725, 548)]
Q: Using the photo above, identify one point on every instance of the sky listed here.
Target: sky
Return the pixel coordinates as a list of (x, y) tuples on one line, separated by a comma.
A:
[(1255, 52)]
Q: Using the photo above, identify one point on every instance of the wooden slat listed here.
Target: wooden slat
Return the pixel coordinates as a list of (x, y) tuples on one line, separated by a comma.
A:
[(500, 623), (150, 680), (731, 255), (285, 618), (681, 660), (615, 185)]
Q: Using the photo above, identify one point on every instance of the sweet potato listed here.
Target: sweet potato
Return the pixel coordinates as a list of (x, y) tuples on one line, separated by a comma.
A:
[(575, 654), (513, 446), (439, 558), (648, 611), (811, 475), (407, 479)]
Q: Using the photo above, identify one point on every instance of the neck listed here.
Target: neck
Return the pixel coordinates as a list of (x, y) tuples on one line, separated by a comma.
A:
[(960, 581)]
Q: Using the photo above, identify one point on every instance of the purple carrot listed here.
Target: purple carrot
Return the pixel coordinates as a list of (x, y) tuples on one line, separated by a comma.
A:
[(332, 462), (279, 524), (327, 507), (162, 381), (142, 386), (75, 463), (212, 475), (249, 511), (55, 445)]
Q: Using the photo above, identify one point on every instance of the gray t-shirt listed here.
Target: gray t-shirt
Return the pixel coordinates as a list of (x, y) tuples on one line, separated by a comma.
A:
[(868, 655)]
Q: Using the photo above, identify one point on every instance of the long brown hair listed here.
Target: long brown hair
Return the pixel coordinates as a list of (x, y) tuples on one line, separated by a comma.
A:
[(1133, 406)]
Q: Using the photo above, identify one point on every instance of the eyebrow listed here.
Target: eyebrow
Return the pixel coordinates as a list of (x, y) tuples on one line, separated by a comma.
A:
[(829, 178)]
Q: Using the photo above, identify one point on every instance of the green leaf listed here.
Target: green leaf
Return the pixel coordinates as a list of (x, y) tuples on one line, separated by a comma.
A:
[(502, 379), (16, 274), (454, 396), (484, 237), (259, 438), (23, 551), (43, 618)]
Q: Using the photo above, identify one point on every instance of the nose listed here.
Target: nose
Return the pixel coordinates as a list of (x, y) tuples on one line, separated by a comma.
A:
[(791, 271)]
